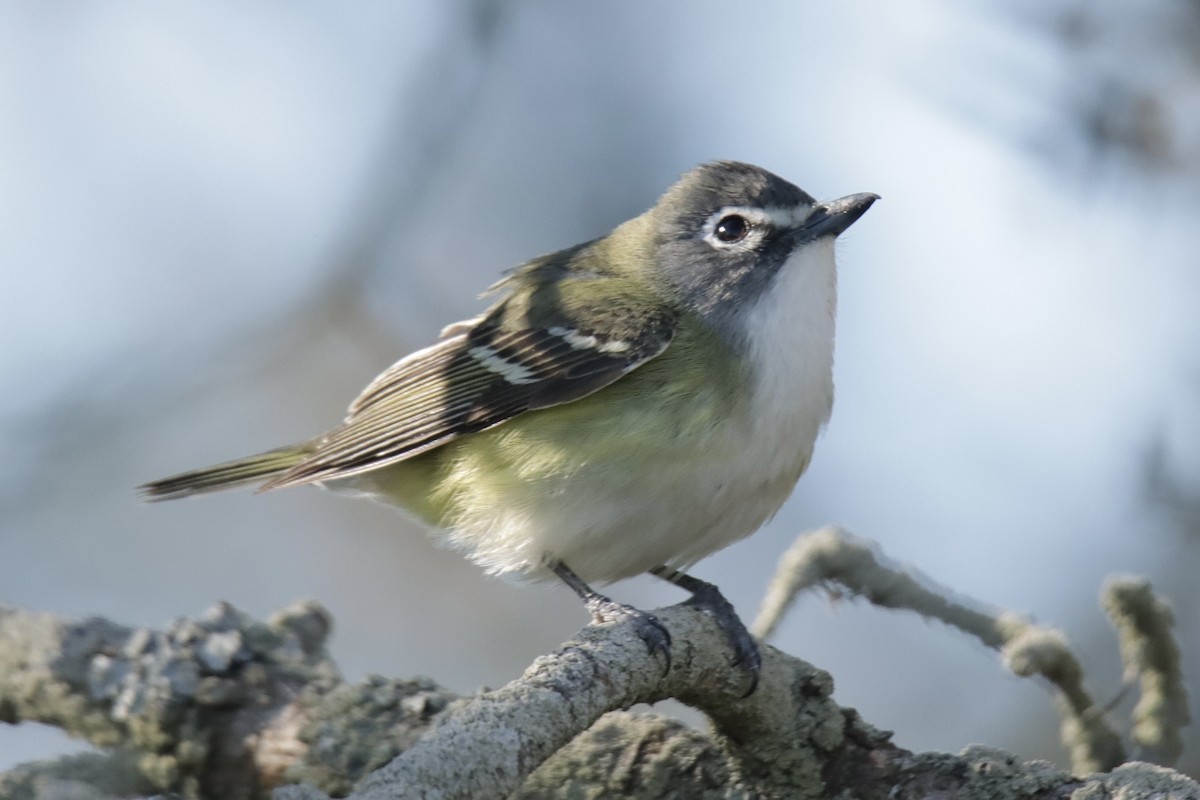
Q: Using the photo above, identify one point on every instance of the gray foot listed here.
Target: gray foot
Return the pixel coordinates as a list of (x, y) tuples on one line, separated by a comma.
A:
[(605, 609), (708, 598), (648, 628), (746, 655)]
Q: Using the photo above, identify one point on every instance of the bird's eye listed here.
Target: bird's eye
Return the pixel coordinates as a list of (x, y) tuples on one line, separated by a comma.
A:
[(732, 228)]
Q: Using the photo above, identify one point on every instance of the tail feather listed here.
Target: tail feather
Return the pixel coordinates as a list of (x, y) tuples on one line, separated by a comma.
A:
[(228, 475)]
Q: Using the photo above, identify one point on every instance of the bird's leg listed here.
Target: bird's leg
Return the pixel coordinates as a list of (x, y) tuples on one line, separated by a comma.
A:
[(708, 597), (605, 609)]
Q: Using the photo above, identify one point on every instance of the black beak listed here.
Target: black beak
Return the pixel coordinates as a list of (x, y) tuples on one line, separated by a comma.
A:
[(833, 217)]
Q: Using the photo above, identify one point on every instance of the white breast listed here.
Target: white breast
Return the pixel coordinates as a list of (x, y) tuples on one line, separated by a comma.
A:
[(753, 462), (791, 335)]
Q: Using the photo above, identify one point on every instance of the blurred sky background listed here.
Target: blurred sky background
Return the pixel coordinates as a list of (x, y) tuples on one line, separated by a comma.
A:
[(219, 220)]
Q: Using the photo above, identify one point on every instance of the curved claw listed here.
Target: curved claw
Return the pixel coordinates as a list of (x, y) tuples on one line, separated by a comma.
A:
[(647, 626), (605, 609), (746, 654)]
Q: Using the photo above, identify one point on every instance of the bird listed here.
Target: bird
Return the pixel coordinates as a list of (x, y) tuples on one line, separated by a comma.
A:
[(627, 405)]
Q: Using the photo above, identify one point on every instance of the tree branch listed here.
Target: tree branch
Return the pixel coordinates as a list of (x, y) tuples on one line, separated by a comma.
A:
[(209, 705), (1144, 624), (833, 555), (228, 707)]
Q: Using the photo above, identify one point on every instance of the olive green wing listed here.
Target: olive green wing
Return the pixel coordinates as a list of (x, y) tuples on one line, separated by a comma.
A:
[(542, 346)]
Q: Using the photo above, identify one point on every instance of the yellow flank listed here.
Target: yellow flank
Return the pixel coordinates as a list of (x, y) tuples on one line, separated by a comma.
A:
[(482, 487)]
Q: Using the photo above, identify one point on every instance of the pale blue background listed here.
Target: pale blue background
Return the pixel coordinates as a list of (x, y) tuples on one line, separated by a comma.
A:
[(219, 220)]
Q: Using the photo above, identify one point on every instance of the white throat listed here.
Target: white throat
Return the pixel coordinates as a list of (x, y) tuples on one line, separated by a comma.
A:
[(790, 332)]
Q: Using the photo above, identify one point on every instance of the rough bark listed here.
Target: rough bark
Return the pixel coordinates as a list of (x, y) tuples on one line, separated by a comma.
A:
[(224, 706)]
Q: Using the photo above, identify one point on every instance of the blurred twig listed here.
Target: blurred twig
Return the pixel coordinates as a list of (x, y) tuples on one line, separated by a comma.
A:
[(1131, 80), (1145, 626), (833, 555), (432, 107), (1169, 492), (429, 115)]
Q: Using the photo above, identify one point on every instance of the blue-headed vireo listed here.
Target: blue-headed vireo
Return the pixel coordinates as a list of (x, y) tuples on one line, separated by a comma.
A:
[(630, 405)]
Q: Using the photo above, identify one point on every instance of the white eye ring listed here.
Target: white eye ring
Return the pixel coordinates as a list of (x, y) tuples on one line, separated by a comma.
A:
[(736, 227)]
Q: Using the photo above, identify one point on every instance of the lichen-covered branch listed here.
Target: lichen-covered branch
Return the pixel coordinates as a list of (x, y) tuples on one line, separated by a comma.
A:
[(209, 706), (835, 556), (1144, 624), (228, 707), (771, 740)]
